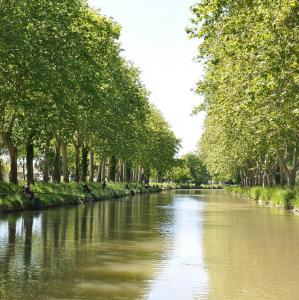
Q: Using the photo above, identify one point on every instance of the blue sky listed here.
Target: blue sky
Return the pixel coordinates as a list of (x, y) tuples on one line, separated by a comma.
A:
[(154, 38)]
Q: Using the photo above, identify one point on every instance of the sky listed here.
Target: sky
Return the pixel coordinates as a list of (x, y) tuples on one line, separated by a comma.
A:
[(153, 37)]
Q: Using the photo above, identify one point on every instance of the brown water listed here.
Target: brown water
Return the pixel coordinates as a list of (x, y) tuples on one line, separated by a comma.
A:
[(178, 245)]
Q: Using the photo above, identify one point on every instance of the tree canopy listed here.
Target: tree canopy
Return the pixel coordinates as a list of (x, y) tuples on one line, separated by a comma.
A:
[(190, 168), (68, 96), (250, 88)]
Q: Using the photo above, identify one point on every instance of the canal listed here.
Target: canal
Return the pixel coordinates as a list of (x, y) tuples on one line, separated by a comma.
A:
[(176, 245)]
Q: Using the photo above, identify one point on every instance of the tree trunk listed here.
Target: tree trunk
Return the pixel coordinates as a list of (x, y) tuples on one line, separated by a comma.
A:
[(65, 168), (260, 181), (104, 170), (99, 172), (282, 176), (290, 172), (269, 179), (264, 180), (84, 163), (292, 178), (112, 168), (91, 168), (29, 161), (1, 169), (134, 174), (77, 146), (119, 170), (128, 172), (46, 163), (23, 168), (57, 165), (13, 156), (107, 169), (77, 163), (138, 174), (294, 169), (241, 178), (142, 175), (124, 171), (147, 173), (273, 175)]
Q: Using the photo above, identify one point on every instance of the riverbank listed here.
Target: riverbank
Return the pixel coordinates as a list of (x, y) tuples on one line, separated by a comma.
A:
[(185, 186), (274, 196), (47, 195)]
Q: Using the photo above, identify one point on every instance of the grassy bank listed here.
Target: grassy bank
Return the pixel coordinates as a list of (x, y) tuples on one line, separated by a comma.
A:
[(201, 187), (276, 196), (52, 195)]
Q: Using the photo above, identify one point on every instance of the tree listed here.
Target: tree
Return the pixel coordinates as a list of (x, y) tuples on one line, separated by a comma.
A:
[(198, 170), (250, 89)]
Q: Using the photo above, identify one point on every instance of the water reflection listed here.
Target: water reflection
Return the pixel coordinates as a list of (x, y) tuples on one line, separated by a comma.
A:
[(184, 275), (180, 245), (109, 250), (252, 252)]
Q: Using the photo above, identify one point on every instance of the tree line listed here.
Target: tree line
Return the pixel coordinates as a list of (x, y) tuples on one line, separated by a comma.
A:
[(250, 88), (190, 168), (70, 102)]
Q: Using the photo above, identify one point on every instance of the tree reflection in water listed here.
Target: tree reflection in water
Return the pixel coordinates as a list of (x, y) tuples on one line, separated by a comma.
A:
[(108, 249)]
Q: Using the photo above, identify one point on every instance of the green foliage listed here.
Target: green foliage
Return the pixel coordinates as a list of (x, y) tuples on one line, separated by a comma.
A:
[(270, 195), (8, 188), (181, 174), (64, 81), (159, 144), (198, 170), (189, 169), (211, 186), (50, 194), (250, 89)]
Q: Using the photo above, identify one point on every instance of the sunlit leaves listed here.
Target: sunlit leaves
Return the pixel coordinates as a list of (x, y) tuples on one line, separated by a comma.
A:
[(62, 77), (250, 85)]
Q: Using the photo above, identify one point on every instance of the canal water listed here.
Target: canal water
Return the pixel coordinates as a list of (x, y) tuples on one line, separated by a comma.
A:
[(176, 245)]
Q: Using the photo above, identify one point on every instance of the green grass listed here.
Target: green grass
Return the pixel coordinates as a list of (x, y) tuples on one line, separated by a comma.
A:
[(280, 196), (211, 186), (8, 188), (202, 186), (51, 194)]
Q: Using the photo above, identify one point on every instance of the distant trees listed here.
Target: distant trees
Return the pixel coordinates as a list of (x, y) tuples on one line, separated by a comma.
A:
[(70, 101), (181, 174), (250, 52), (190, 168), (198, 170)]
